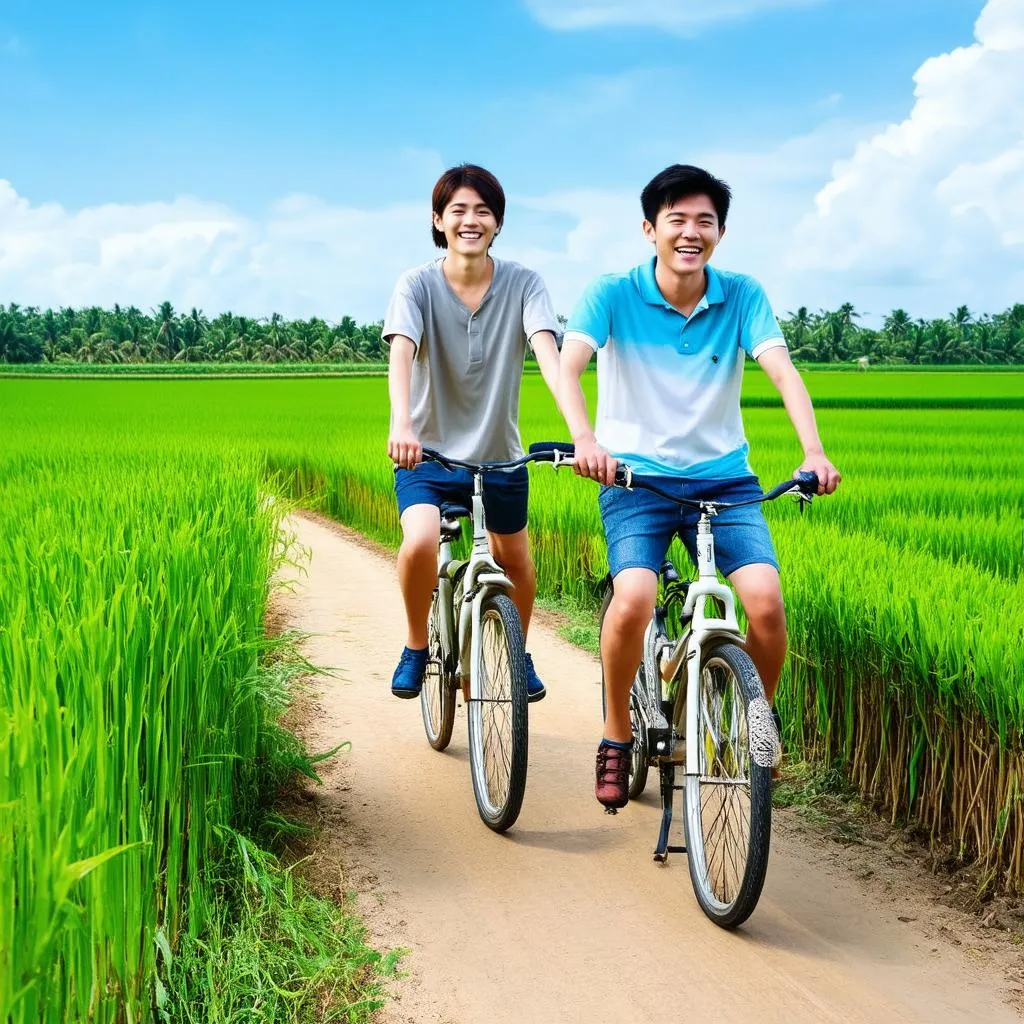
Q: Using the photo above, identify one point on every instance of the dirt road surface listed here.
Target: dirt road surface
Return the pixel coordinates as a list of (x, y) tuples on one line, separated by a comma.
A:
[(567, 918)]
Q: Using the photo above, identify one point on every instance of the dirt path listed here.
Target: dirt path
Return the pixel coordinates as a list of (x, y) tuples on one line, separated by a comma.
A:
[(567, 918)]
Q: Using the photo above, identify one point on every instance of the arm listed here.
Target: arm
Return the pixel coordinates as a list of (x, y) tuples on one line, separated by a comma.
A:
[(404, 448), (591, 459), (403, 331), (777, 365), (546, 352)]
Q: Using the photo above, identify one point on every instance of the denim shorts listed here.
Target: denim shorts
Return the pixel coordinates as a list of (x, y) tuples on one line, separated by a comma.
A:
[(639, 525), (506, 495)]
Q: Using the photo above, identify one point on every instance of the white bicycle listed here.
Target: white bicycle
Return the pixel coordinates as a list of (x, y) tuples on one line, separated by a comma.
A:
[(697, 702), (475, 641)]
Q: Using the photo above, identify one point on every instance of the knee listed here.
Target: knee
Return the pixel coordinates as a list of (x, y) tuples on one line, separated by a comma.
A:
[(518, 564), (419, 545), (631, 608), (765, 611), (512, 553)]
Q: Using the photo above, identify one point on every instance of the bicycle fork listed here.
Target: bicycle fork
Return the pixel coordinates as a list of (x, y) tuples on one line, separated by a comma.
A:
[(483, 577)]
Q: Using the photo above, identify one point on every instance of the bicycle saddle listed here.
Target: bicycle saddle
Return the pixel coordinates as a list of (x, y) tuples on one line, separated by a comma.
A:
[(450, 516), (449, 510)]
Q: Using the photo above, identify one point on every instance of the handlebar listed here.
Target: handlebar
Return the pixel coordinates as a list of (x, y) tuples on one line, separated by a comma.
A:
[(543, 454), (804, 485)]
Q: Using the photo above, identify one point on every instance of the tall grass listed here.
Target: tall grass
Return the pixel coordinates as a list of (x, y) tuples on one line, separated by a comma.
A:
[(137, 732)]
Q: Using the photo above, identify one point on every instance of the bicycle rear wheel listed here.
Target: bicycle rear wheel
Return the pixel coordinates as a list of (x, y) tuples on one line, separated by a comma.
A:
[(498, 735), (639, 761), (437, 697), (728, 803)]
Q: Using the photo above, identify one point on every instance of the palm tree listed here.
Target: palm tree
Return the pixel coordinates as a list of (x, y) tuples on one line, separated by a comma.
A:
[(167, 330)]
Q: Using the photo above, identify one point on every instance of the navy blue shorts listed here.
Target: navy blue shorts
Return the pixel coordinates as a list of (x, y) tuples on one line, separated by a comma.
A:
[(506, 495), (639, 525)]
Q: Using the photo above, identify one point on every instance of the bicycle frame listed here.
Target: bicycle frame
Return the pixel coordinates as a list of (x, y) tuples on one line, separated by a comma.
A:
[(703, 629), (483, 576)]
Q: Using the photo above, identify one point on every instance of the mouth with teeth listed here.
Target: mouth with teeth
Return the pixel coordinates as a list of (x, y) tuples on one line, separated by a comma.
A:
[(688, 250), (471, 236)]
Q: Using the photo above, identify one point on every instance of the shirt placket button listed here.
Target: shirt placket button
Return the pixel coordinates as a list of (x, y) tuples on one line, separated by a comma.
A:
[(475, 353)]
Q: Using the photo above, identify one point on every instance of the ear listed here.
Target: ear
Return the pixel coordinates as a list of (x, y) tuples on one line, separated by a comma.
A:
[(721, 233), (648, 229), (438, 223)]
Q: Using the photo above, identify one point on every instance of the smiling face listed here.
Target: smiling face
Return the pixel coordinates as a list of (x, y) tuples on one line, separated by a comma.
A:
[(467, 223), (685, 234)]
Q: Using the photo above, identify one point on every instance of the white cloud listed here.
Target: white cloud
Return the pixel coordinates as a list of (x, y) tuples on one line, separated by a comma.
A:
[(929, 212), (683, 17), (307, 257), (303, 258)]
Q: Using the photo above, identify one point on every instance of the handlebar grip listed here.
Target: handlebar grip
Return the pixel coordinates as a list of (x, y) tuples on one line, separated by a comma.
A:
[(808, 483), (541, 447)]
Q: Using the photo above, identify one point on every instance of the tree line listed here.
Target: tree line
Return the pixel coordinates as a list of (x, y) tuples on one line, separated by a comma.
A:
[(126, 334)]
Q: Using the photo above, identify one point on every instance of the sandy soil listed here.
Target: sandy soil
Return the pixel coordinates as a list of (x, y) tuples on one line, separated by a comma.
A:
[(567, 918)]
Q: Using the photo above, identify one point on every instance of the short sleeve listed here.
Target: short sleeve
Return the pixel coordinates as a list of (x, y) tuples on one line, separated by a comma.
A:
[(404, 315), (591, 320), (538, 313), (759, 330)]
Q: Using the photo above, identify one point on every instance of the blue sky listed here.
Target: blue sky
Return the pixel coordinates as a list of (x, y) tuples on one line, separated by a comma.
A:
[(265, 156)]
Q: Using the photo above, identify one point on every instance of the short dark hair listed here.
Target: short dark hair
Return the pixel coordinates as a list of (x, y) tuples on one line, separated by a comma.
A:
[(471, 176), (682, 180)]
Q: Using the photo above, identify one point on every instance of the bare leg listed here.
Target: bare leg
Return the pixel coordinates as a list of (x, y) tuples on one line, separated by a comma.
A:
[(512, 552), (417, 568), (761, 596), (622, 639)]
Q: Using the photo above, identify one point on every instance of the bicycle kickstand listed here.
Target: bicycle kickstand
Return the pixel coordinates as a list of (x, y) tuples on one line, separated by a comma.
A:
[(668, 790)]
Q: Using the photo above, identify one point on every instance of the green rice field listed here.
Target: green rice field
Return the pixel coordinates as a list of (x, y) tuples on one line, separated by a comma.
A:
[(137, 544)]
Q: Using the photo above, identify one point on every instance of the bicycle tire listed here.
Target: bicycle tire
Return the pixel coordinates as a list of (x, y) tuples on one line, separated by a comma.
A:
[(437, 696), (639, 763), (498, 723), (727, 902)]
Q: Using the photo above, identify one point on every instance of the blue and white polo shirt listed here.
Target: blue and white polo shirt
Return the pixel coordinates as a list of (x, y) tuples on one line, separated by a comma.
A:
[(669, 385)]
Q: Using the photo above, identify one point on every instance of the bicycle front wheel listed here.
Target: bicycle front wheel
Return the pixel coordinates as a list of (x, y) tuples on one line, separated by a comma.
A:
[(437, 697), (728, 803), (498, 733)]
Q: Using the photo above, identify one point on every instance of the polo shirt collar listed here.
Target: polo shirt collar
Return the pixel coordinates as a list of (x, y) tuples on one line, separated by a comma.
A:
[(651, 293)]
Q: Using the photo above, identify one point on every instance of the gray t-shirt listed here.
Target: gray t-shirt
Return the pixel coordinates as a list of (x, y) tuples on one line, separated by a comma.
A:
[(464, 394)]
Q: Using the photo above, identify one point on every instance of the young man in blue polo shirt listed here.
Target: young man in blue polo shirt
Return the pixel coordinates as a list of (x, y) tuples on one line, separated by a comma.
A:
[(671, 336)]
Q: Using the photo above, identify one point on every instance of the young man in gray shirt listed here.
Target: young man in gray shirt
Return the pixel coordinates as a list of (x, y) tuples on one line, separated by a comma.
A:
[(458, 328)]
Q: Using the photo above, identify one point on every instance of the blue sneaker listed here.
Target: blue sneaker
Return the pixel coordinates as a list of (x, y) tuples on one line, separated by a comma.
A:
[(534, 687), (408, 678)]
